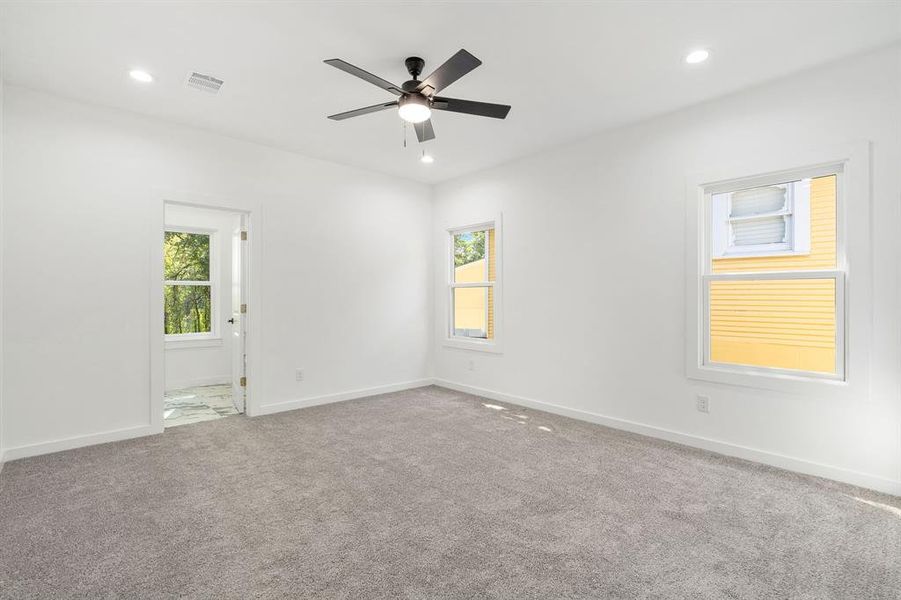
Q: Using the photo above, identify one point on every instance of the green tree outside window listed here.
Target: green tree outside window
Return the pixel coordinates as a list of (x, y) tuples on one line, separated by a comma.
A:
[(188, 291)]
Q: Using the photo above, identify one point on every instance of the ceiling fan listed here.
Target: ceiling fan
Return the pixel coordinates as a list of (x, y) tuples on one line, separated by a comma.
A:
[(417, 98)]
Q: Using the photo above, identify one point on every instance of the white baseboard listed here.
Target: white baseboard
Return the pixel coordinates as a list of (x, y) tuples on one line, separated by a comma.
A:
[(172, 386), (789, 463), (8, 454), (866, 480), (268, 409), (77, 442)]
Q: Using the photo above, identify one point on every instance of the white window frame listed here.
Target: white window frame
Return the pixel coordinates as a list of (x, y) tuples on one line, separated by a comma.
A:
[(853, 319), (796, 215), (462, 342), (214, 336)]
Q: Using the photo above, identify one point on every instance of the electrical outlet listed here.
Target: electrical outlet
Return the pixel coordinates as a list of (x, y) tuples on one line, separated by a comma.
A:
[(471, 365), (298, 375), (703, 404)]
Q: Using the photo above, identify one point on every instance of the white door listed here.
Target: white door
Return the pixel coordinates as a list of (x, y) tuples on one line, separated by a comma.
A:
[(238, 323)]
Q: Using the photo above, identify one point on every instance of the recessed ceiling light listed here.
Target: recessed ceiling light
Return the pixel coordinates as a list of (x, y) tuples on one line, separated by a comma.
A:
[(697, 56), (142, 76), (427, 159)]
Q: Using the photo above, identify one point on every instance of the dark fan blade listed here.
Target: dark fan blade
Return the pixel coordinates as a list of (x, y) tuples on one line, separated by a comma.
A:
[(362, 111), (456, 67), (424, 131), (470, 107), (364, 75)]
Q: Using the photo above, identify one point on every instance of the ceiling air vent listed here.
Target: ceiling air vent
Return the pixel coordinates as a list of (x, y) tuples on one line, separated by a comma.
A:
[(204, 83)]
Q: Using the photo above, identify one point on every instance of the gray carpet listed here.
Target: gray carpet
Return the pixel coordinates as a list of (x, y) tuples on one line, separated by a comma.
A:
[(432, 494)]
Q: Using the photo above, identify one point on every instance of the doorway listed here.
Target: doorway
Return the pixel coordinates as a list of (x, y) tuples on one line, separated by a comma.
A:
[(205, 275)]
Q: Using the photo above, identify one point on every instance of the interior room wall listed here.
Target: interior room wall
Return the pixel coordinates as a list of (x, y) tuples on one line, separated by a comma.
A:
[(191, 364), (609, 343), (2, 457), (345, 273)]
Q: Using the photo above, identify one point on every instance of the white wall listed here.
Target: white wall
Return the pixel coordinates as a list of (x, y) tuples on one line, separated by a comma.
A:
[(2, 86), (602, 221), (208, 362), (345, 291)]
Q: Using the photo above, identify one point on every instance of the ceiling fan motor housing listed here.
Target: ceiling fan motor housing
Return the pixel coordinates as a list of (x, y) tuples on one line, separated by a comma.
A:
[(409, 87)]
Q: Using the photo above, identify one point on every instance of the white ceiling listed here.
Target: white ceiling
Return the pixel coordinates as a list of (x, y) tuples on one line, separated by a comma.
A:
[(568, 69)]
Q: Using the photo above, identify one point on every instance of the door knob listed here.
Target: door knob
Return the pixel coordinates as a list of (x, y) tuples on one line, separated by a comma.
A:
[(232, 320)]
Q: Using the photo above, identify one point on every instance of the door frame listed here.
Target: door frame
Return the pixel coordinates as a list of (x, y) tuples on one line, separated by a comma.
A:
[(157, 220)]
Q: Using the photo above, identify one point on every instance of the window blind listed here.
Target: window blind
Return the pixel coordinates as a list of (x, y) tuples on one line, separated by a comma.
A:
[(767, 230), (748, 229), (757, 201)]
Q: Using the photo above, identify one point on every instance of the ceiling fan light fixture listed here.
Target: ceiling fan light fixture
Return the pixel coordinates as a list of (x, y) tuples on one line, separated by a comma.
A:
[(414, 109)]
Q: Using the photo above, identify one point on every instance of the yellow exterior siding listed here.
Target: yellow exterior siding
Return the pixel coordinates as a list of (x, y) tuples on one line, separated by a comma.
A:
[(492, 268), (787, 324), (469, 303)]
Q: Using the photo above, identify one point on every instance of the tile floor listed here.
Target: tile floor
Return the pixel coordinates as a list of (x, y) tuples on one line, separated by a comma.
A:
[(196, 404)]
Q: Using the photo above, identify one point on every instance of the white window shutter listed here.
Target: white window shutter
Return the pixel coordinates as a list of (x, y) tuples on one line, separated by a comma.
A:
[(719, 214), (801, 217)]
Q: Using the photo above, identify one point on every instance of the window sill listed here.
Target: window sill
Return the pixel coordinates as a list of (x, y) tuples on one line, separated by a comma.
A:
[(198, 342), (459, 344), (778, 381), (760, 254)]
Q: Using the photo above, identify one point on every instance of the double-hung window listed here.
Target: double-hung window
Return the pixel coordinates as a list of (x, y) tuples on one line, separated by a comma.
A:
[(768, 220), (473, 286), (773, 278), (189, 293)]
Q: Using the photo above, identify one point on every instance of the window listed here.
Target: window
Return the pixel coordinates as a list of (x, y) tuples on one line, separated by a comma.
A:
[(762, 221), (189, 296), (772, 282), (473, 285)]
